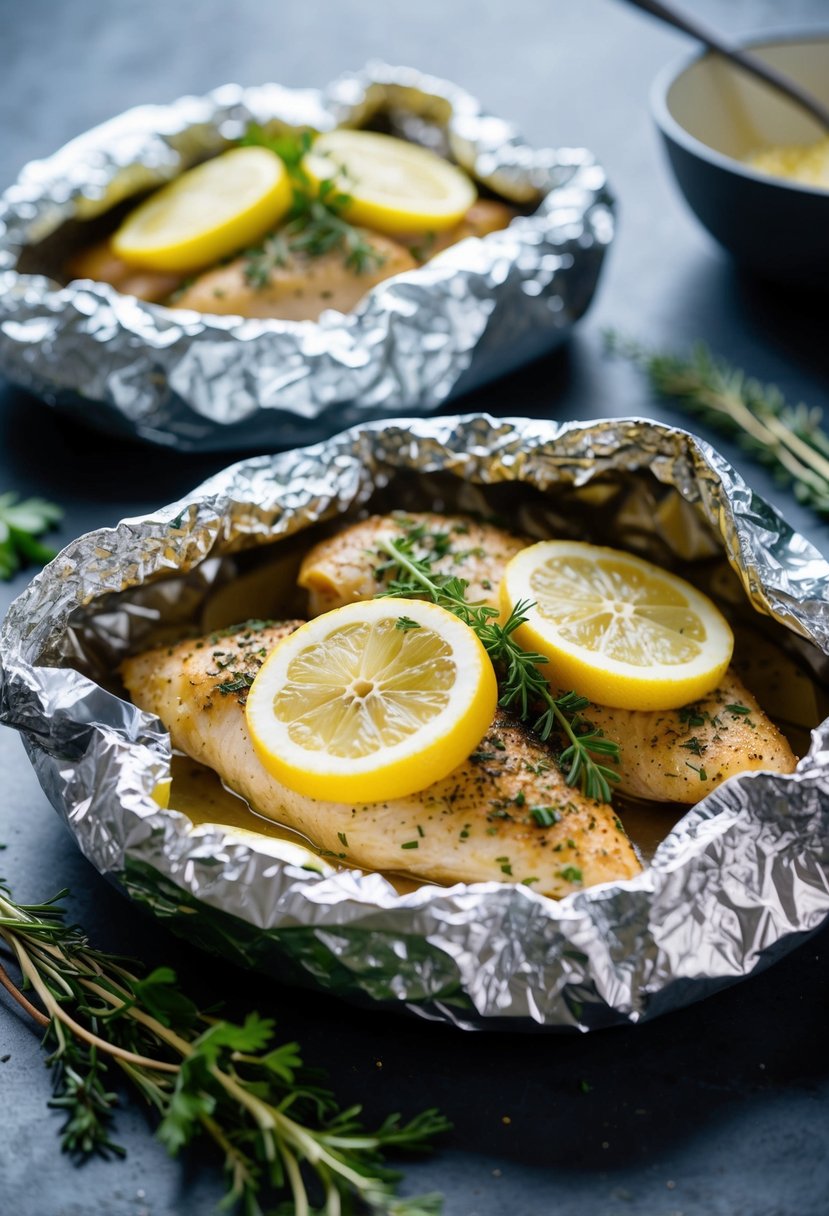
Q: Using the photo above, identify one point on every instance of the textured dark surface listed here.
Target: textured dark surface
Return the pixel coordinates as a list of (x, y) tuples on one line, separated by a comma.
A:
[(721, 1109)]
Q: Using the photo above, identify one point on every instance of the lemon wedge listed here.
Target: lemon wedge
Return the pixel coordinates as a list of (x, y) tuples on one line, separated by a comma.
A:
[(618, 629), (372, 701), (392, 186), (207, 213)]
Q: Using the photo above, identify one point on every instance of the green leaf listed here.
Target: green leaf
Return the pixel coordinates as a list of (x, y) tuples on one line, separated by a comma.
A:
[(182, 1121), (20, 523), (283, 1062), (161, 996)]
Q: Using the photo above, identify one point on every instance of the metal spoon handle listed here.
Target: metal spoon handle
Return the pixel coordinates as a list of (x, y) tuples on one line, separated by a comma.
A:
[(744, 59)]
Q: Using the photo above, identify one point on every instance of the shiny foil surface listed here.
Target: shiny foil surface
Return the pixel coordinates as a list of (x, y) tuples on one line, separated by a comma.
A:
[(743, 877), (195, 382)]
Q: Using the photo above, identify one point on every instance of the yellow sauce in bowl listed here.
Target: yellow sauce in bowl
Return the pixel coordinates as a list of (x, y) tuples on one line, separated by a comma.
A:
[(804, 163)]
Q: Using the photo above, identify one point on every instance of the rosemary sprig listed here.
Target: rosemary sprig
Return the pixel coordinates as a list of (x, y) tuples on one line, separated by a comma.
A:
[(315, 223), (523, 687), (280, 1136), (789, 439), (20, 524)]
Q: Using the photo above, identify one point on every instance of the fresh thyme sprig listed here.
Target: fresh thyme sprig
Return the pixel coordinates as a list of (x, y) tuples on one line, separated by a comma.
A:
[(280, 1136), (20, 524), (315, 223), (789, 439), (523, 687)]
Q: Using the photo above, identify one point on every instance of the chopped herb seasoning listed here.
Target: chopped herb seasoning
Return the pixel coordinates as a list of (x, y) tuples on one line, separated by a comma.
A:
[(527, 882), (694, 746), (405, 623), (420, 832), (545, 816), (410, 844), (570, 874), (240, 683), (343, 839)]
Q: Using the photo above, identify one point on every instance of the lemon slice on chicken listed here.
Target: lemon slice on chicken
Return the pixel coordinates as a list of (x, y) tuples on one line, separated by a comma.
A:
[(372, 701), (207, 213), (618, 629), (391, 185)]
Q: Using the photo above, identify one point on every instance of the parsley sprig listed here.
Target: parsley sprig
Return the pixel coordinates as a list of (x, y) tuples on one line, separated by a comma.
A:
[(20, 524), (280, 1135), (315, 223), (523, 687), (789, 439)]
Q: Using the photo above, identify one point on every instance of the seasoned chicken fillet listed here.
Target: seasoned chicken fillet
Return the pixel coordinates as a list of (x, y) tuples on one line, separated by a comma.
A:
[(680, 755), (479, 824), (484, 216), (660, 760), (344, 567), (101, 263), (298, 289)]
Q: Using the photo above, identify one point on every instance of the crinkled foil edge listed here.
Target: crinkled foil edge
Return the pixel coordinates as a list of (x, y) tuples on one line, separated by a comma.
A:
[(743, 877), (196, 382)]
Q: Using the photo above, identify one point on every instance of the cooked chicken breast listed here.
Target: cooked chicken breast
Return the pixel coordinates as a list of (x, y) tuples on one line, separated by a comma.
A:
[(660, 761), (484, 216), (101, 264), (298, 290), (680, 755), (479, 824), (344, 568)]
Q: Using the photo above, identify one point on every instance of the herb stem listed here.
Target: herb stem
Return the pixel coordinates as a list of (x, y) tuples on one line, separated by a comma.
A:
[(228, 1083), (789, 439), (10, 986), (523, 685), (56, 1010)]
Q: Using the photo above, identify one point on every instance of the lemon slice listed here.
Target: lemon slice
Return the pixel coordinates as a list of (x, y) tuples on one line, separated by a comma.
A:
[(618, 629), (393, 186), (207, 213), (372, 701)]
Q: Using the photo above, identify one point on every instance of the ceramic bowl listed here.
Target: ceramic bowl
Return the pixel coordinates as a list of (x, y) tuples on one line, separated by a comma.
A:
[(711, 115)]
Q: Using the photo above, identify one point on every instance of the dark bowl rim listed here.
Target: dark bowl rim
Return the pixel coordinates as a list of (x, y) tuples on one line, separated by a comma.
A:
[(672, 129)]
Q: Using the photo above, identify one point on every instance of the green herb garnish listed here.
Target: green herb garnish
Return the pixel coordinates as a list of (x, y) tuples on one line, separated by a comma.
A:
[(789, 439), (20, 524), (314, 225), (405, 623), (283, 1139), (545, 816), (570, 874), (523, 687), (240, 683)]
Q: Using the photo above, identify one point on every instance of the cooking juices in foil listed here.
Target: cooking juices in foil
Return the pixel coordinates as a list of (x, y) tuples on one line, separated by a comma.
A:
[(740, 879), (196, 382)]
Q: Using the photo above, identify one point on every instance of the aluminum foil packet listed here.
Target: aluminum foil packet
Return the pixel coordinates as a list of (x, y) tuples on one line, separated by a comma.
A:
[(196, 382), (742, 877)]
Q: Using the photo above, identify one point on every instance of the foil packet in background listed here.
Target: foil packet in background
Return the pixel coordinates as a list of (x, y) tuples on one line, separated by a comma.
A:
[(742, 878), (198, 383)]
